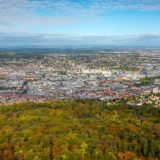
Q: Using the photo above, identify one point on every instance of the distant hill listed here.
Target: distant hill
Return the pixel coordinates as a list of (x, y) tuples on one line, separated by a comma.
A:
[(77, 130), (29, 51), (71, 50), (7, 53)]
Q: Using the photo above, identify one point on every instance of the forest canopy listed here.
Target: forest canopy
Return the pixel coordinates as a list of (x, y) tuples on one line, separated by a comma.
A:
[(79, 129)]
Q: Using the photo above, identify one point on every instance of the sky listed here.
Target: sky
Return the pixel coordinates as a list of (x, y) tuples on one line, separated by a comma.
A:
[(79, 22)]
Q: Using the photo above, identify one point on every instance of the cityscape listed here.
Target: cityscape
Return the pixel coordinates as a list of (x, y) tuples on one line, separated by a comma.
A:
[(79, 80), (107, 76)]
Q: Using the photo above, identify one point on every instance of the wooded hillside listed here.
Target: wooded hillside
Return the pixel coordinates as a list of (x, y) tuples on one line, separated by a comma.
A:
[(79, 129)]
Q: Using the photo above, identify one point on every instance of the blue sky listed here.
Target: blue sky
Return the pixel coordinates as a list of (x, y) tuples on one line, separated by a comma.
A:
[(73, 22)]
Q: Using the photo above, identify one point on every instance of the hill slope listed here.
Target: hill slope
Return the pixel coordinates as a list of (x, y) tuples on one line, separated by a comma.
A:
[(79, 129)]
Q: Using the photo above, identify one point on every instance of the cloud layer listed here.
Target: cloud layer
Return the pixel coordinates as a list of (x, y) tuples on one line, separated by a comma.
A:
[(152, 39), (17, 16), (31, 12)]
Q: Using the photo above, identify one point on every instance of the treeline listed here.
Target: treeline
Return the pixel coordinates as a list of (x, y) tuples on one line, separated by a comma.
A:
[(79, 129), (148, 80)]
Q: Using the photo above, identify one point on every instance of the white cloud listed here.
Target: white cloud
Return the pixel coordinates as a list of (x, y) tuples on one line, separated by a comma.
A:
[(151, 39), (27, 12), (23, 13)]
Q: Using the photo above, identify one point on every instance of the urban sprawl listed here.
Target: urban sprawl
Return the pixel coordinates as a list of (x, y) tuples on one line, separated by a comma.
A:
[(101, 76)]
